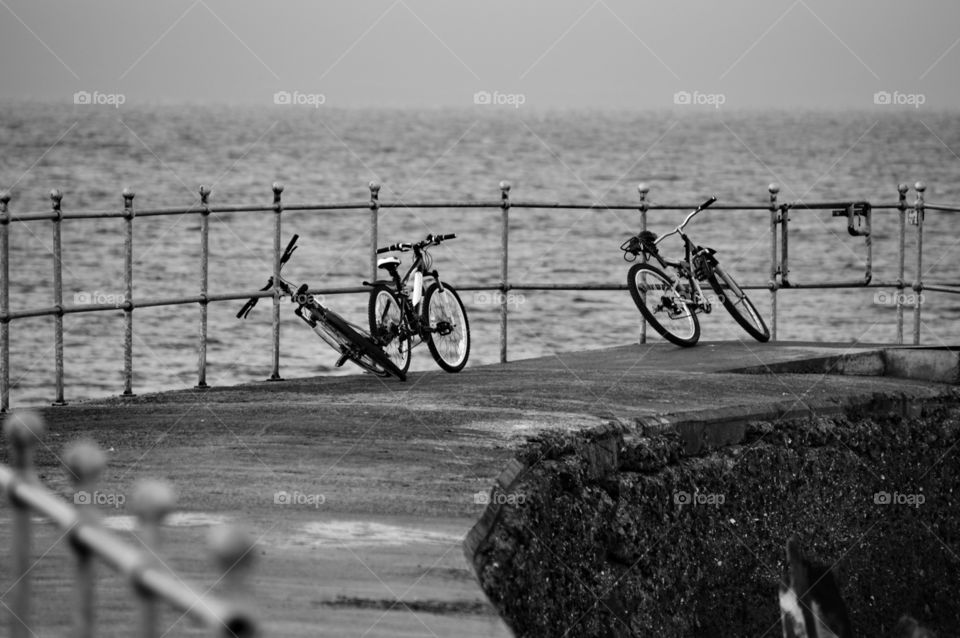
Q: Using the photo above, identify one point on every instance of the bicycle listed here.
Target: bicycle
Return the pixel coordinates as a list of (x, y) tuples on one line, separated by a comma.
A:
[(335, 331), (400, 311), (670, 303)]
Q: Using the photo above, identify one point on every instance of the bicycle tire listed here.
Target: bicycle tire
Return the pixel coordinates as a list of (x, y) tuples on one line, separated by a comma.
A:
[(684, 327), (355, 346), (724, 284), (385, 312), (450, 350)]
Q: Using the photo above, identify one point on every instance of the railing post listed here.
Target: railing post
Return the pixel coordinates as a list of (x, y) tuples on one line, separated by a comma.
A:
[(643, 189), (151, 502), (504, 264), (374, 217), (128, 215), (204, 281), (56, 197), (232, 550), (4, 301), (918, 280), (277, 214), (774, 270), (901, 257), (22, 429), (84, 462)]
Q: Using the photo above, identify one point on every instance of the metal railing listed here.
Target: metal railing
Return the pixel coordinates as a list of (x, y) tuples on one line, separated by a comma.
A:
[(858, 214), (88, 541)]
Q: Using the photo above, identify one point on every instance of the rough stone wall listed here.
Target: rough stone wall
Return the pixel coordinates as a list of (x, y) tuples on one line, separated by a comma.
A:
[(612, 534)]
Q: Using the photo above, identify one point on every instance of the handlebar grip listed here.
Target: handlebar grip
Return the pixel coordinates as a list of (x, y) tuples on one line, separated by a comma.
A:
[(707, 203), (288, 251), (446, 237), (247, 307), (393, 247)]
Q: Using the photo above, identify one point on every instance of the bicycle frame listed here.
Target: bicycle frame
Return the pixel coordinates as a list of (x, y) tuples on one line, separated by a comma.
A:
[(693, 267), (412, 299)]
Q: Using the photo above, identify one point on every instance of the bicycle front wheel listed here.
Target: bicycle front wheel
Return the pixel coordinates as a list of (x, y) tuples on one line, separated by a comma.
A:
[(340, 335), (662, 305), (737, 303), (448, 331), (386, 326)]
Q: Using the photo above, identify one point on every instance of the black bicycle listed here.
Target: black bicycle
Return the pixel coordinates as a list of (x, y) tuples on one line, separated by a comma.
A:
[(337, 332), (670, 303), (402, 315)]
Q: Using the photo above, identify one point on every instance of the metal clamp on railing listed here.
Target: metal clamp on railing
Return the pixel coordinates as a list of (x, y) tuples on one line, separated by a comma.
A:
[(856, 213)]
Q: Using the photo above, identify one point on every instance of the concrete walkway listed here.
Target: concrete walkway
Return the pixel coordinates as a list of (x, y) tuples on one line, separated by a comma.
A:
[(361, 490)]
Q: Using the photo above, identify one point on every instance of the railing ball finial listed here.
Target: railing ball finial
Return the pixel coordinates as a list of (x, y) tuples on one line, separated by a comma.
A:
[(902, 189), (774, 188), (204, 193), (23, 428), (232, 548), (277, 187), (5, 197), (920, 186), (643, 188), (85, 461), (152, 501), (129, 193), (56, 195), (374, 188), (505, 186)]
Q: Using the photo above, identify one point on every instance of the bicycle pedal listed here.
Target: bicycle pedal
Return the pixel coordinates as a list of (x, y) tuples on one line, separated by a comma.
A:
[(342, 360)]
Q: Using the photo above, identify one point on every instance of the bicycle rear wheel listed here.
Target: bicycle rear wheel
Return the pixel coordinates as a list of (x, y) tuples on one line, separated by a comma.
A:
[(662, 305), (737, 303), (448, 335), (340, 335), (386, 322)]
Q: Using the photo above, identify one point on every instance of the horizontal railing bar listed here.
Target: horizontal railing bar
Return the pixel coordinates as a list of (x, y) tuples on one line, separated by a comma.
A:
[(28, 314), (343, 206), (941, 288), (261, 294), (942, 208)]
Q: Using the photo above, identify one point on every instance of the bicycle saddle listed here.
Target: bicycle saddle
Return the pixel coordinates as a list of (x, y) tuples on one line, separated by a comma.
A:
[(388, 263)]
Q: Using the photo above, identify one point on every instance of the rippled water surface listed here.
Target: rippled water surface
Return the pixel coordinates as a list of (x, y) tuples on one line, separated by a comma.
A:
[(164, 153)]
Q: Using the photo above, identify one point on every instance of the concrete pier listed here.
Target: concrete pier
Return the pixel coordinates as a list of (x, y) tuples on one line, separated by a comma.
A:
[(362, 490)]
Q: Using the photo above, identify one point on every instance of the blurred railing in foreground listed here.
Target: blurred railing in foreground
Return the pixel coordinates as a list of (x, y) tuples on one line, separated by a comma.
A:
[(857, 213), (149, 581)]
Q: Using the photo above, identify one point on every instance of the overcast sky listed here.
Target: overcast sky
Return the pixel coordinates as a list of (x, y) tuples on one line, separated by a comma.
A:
[(561, 53)]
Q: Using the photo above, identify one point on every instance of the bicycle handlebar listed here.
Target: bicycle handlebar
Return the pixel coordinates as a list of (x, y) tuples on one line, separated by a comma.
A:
[(683, 224), (431, 240)]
